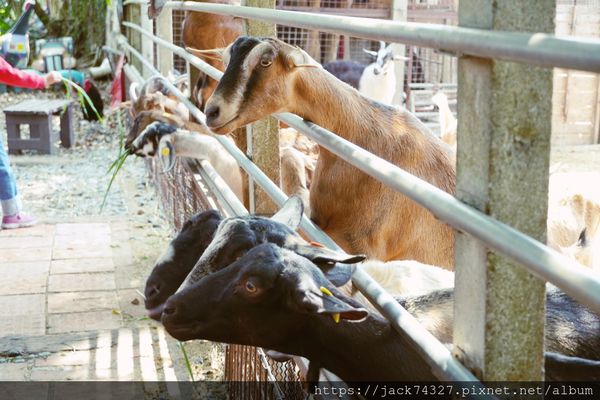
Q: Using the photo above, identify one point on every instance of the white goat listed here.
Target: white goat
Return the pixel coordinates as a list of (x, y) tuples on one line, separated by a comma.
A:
[(378, 80), (574, 228), (170, 142), (158, 136), (448, 122), (404, 278)]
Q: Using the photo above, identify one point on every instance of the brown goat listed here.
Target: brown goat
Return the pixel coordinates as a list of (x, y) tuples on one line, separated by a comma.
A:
[(266, 76), (205, 31)]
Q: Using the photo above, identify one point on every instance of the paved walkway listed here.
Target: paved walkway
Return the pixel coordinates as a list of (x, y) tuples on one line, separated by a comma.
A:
[(70, 310)]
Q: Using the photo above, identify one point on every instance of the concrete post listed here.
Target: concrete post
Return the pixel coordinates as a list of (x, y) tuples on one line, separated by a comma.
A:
[(164, 30), (504, 131), (263, 136), (399, 13)]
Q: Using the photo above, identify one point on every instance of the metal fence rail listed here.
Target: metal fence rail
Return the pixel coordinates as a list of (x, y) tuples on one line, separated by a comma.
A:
[(434, 352), (544, 262), (535, 49), (182, 192)]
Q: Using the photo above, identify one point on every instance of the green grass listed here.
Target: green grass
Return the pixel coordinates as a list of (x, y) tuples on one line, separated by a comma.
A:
[(188, 365), (82, 95), (116, 165)]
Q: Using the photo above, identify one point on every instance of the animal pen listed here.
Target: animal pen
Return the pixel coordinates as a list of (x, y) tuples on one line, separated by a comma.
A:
[(498, 335)]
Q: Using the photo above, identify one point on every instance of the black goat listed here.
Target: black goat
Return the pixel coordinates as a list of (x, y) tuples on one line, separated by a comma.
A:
[(178, 260), (273, 298)]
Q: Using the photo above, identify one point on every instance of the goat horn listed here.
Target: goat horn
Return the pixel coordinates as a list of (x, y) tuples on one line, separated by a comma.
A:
[(133, 91)]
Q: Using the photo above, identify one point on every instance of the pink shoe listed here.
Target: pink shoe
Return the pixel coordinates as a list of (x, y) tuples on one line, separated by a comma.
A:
[(17, 221)]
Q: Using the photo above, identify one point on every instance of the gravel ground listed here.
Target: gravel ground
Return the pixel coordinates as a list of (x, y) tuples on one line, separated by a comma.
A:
[(69, 186), (73, 182)]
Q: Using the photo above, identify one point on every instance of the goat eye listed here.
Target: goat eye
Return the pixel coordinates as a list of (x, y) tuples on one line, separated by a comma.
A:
[(250, 287), (265, 62)]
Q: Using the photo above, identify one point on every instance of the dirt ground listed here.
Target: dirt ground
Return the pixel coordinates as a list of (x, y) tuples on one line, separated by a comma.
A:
[(70, 185)]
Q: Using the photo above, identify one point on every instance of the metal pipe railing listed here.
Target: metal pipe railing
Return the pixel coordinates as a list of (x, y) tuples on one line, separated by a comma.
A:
[(132, 2), (530, 48), (220, 189), (580, 283), (259, 177), (435, 353)]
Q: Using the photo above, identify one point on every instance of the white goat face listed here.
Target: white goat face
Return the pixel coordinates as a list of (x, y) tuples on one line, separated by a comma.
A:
[(382, 58)]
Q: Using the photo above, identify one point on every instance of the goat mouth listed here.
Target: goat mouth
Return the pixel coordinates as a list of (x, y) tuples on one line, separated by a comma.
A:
[(156, 312), (182, 332), (221, 129)]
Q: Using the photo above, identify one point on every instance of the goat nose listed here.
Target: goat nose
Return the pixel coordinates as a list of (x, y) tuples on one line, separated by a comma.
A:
[(153, 291), (212, 113), (169, 309)]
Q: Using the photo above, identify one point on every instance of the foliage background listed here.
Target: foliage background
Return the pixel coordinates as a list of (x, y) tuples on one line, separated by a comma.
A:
[(83, 20)]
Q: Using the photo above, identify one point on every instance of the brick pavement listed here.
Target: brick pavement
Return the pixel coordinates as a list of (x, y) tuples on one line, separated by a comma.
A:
[(70, 310)]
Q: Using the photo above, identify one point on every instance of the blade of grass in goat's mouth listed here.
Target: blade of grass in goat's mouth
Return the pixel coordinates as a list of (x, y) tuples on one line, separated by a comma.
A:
[(116, 165)]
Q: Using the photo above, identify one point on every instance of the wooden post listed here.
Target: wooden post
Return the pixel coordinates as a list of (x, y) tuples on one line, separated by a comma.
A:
[(164, 30), (112, 24), (263, 136), (147, 45), (504, 129), (399, 13), (135, 38)]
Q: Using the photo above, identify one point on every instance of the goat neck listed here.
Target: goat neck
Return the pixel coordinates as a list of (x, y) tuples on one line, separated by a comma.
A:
[(359, 351), (386, 131), (317, 93)]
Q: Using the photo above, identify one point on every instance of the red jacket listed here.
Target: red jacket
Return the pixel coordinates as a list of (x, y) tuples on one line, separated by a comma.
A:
[(14, 77)]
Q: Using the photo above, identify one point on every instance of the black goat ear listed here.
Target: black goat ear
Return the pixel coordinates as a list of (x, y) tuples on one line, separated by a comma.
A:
[(319, 254), (324, 302), (338, 274), (167, 154), (291, 213)]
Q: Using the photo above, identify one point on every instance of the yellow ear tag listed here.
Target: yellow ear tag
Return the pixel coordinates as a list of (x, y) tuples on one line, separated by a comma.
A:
[(336, 316), (165, 151)]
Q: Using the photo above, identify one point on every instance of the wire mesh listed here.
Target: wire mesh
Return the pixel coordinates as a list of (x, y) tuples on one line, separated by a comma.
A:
[(429, 70), (179, 191), (178, 17), (253, 375)]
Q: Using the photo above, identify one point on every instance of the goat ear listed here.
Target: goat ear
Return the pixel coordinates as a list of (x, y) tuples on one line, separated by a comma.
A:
[(370, 52), (400, 58), (167, 154), (334, 265), (208, 53), (338, 274), (322, 255), (134, 91), (323, 301), (299, 58), (291, 213)]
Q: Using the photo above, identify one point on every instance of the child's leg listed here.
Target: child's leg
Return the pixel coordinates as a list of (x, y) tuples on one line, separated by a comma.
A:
[(8, 186)]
